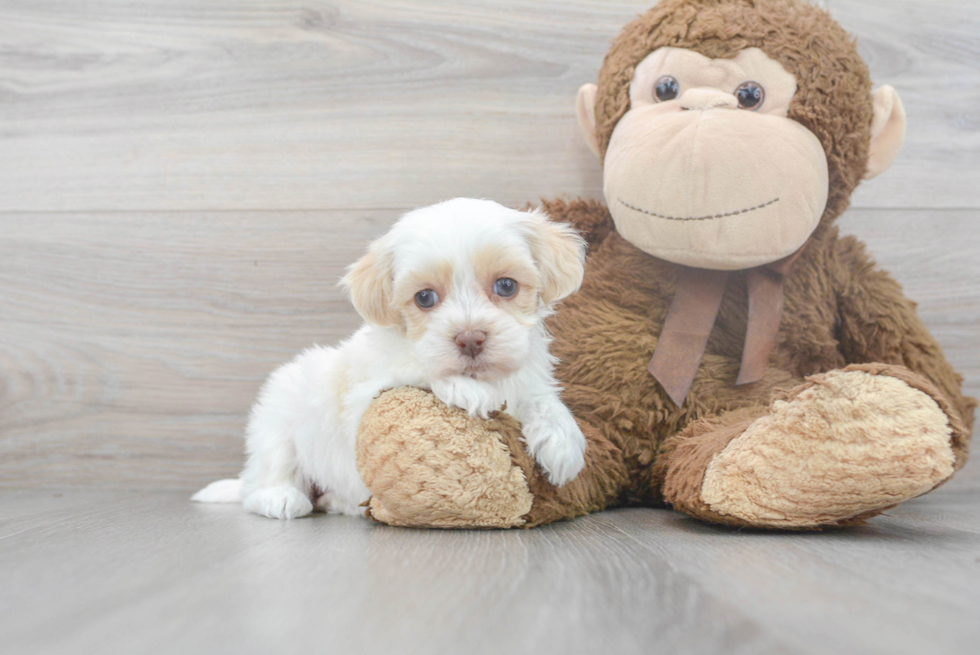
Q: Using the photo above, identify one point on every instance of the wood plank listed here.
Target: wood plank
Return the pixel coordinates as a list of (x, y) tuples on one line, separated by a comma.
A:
[(257, 105), (153, 573), (930, 52), (160, 574), (906, 583), (155, 105), (136, 343), (132, 345)]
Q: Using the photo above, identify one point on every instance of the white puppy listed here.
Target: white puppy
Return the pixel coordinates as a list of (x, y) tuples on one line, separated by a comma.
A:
[(454, 297)]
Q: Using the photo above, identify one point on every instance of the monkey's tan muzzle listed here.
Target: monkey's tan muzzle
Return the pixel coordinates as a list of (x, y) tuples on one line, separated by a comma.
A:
[(714, 187)]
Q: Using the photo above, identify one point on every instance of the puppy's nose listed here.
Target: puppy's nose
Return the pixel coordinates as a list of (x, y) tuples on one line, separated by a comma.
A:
[(471, 342)]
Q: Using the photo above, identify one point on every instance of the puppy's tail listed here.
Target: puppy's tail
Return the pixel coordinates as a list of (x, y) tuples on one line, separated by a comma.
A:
[(222, 491)]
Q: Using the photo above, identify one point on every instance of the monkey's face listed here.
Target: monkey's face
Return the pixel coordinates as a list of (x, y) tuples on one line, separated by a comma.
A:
[(707, 169)]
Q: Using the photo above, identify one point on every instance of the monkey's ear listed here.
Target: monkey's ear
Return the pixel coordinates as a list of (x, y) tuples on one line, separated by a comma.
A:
[(369, 285), (887, 131), (585, 110), (559, 252)]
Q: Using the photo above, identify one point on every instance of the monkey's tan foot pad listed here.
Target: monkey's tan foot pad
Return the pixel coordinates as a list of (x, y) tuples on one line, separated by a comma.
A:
[(428, 465), (836, 450)]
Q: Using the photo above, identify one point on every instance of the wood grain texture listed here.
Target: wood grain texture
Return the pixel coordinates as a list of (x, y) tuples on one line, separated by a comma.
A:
[(111, 573), (247, 104), (258, 105), (930, 52), (132, 345)]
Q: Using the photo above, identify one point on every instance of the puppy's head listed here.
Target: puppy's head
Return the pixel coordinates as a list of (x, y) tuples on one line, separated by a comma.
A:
[(468, 282)]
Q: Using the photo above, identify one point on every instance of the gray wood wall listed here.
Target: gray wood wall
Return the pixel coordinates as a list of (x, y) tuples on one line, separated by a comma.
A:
[(182, 183)]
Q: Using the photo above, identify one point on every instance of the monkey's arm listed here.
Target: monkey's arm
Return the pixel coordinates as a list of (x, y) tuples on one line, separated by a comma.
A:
[(878, 324), (590, 217)]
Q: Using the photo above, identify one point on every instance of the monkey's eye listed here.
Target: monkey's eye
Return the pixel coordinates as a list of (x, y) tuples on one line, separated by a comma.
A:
[(505, 287), (750, 95), (426, 298), (667, 88)]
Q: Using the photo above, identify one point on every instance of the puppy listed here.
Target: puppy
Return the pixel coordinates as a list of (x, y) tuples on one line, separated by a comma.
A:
[(454, 298)]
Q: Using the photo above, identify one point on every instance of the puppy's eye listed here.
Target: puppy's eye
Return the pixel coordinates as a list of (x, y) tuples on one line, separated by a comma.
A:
[(505, 287), (426, 298)]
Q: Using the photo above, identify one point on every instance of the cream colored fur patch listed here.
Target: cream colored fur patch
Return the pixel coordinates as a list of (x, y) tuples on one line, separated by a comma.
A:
[(852, 443), (465, 479)]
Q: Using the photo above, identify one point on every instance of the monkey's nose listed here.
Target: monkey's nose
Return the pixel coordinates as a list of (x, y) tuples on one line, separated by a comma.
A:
[(707, 98), (470, 343)]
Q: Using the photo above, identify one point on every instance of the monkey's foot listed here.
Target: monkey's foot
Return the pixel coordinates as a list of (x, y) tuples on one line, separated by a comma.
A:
[(429, 465), (840, 448)]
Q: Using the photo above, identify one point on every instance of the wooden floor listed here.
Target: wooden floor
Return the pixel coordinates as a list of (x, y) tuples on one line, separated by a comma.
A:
[(149, 572), (181, 185)]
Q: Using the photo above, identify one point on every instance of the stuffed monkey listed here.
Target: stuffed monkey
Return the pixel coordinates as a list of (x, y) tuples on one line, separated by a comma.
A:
[(729, 354)]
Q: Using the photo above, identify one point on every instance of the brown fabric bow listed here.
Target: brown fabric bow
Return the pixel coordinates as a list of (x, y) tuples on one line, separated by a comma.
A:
[(692, 314)]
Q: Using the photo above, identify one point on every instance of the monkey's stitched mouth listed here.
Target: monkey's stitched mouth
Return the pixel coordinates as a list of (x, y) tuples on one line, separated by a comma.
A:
[(698, 218)]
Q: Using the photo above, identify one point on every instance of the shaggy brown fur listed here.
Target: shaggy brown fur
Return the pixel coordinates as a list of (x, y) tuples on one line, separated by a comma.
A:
[(839, 308)]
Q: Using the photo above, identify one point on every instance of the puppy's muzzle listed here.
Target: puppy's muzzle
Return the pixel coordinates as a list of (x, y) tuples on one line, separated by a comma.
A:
[(470, 343)]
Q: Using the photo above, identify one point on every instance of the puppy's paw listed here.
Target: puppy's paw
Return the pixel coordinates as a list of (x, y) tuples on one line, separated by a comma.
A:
[(476, 397), (558, 445), (283, 502)]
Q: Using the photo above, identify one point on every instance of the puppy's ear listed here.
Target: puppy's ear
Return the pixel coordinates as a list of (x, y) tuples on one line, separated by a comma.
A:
[(559, 252), (369, 285)]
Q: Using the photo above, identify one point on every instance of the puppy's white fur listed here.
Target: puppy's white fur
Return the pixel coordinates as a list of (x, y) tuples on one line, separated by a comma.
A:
[(301, 435)]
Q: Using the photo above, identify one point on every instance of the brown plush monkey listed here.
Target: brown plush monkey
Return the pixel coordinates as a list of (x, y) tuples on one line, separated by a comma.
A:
[(729, 354)]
